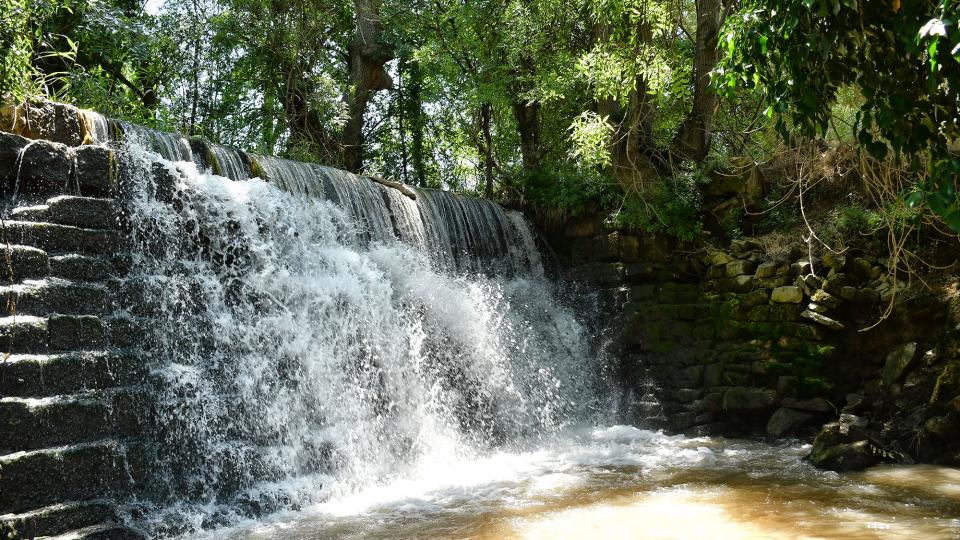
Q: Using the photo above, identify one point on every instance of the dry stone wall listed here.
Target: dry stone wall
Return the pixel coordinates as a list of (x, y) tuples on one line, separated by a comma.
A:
[(734, 341)]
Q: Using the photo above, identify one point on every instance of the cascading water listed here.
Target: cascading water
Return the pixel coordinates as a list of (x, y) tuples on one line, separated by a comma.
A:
[(322, 334)]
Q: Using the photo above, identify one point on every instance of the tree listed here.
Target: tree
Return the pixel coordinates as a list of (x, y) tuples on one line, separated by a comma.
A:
[(903, 57)]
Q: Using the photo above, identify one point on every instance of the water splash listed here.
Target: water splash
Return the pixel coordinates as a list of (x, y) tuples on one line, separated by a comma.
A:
[(311, 347)]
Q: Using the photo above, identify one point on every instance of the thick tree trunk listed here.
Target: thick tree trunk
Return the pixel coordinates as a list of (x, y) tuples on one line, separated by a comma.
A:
[(368, 55), (527, 116), (694, 137)]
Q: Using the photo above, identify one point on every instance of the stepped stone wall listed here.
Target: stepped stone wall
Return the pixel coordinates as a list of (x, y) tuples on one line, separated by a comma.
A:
[(736, 342), (70, 374)]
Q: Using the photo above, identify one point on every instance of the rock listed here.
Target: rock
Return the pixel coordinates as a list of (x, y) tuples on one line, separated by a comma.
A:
[(818, 308), (711, 375), (687, 395), (821, 296), (44, 170), (744, 245), (755, 298), (855, 403), (943, 427), (767, 269), (44, 120), (861, 268), (740, 268), (743, 399), (600, 273), (94, 173), (638, 270), (845, 457), (691, 376), (742, 284), (822, 320), (716, 257), (947, 385), (583, 227), (843, 445), (847, 292), (787, 295), (801, 268), (834, 283), (10, 146), (785, 420), (834, 261), (786, 384), (817, 405), (84, 212), (629, 248), (899, 362), (809, 283)]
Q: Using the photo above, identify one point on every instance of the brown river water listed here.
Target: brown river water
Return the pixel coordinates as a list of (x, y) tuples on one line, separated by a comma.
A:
[(622, 482)]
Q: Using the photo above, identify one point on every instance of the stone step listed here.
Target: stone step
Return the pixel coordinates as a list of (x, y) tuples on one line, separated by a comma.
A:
[(81, 267), (76, 333), (58, 374), (52, 237), (22, 262), (45, 168), (106, 531), (38, 213), (35, 423), (82, 472), (53, 295), (57, 519), (25, 334), (83, 212)]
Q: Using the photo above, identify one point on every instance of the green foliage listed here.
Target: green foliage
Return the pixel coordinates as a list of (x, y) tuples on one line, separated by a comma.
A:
[(674, 208), (856, 220), (903, 57)]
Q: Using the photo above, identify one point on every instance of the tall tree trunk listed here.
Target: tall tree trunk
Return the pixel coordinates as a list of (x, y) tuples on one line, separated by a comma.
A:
[(368, 55), (694, 137), (401, 111), (416, 122), (527, 116), (485, 115)]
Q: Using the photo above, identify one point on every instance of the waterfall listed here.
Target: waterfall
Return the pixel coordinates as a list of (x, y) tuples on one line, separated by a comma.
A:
[(319, 333)]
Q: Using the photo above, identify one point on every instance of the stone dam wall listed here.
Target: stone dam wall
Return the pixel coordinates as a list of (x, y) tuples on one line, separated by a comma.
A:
[(738, 342), (70, 407)]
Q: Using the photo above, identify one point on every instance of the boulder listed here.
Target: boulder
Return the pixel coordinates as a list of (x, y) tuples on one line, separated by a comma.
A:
[(899, 362), (785, 420), (845, 457), (843, 445)]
